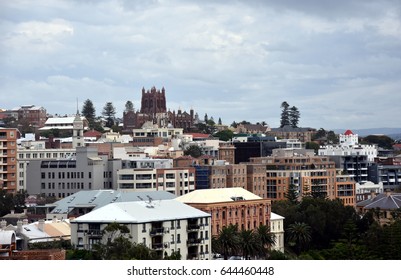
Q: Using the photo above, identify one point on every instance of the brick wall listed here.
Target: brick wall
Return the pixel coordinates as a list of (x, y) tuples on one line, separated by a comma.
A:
[(55, 254)]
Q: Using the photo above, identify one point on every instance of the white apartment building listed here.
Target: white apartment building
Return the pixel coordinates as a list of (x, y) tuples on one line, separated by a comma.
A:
[(166, 226), (364, 190), (177, 181), (166, 133), (349, 147)]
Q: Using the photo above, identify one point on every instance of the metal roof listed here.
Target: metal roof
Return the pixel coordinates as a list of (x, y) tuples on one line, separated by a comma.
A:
[(217, 195), (100, 198), (383, 201), (274, 216), (138, 212)]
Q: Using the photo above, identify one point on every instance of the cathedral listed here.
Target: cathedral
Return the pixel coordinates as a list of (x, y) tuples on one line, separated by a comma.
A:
[(153, 109)]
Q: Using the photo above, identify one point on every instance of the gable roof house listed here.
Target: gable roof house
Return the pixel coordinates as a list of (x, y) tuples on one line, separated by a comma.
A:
[(384, 205)]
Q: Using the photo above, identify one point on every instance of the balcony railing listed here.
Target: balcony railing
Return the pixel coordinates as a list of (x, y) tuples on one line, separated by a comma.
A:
[(193, 227), (193, 256), (156, 231), (94, 233), (194, 241), (157, 246)]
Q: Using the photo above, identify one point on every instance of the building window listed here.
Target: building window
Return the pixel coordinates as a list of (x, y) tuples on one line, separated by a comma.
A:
[(178, 238)]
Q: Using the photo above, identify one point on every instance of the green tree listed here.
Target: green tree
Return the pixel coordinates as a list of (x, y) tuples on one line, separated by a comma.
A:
[(382, 141), (206, 119), (109, 112), (285, 116), (299, 236), (224, 135), (294, 116), (312, 146), (193, 151), (129, 106), (89, 112), (234, 124), (265, 238), (250, 244), (227, 242), (292, 194), (219, 122)]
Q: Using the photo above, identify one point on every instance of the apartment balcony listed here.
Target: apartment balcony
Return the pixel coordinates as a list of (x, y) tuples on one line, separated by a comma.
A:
[(156, 231), (194, 241), (158, 246), (94, 233), (193, 256), (191, 228)]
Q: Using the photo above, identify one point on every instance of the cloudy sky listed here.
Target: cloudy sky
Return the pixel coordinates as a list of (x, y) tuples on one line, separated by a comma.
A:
[(339, 61)]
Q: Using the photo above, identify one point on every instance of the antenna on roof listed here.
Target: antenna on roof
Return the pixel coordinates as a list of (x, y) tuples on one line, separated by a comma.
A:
[(77, 107)]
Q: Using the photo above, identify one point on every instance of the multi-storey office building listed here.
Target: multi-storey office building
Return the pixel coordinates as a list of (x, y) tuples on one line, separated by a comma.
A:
[(227, 206), (8, 159), (25, 156), (166, 226), (63, 177)]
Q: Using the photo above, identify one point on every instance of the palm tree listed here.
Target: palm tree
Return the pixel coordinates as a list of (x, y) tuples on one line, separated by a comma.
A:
[(299, 235), (266, 238), (227, 241), (250, 243)]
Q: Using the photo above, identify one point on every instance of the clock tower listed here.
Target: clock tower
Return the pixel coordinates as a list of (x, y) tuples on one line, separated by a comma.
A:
[(78, 132)]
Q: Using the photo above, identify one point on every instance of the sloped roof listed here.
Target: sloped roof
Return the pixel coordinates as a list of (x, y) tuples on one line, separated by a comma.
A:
[(198, 135), (92, 133), (274, 216), (7, 237), (385, 201), (348, 132), (217, 195), (100, 198), (137, 212)]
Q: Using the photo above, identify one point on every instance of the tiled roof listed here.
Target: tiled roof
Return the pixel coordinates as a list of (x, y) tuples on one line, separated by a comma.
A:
[(92, 133), (348, 132), (199, 135)]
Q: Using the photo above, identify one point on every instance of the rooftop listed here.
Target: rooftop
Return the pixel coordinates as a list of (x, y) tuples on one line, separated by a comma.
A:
[(138, 212), (100, 198), (217, 195)]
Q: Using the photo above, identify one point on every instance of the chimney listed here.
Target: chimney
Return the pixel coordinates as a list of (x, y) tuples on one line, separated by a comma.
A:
[(12, 212), (25, 222), (41, 225), (3, 224), (388, 192), (25, 211), (19, 226)]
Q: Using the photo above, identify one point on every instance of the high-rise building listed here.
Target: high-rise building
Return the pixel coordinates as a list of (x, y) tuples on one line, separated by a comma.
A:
[(8, 159)]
